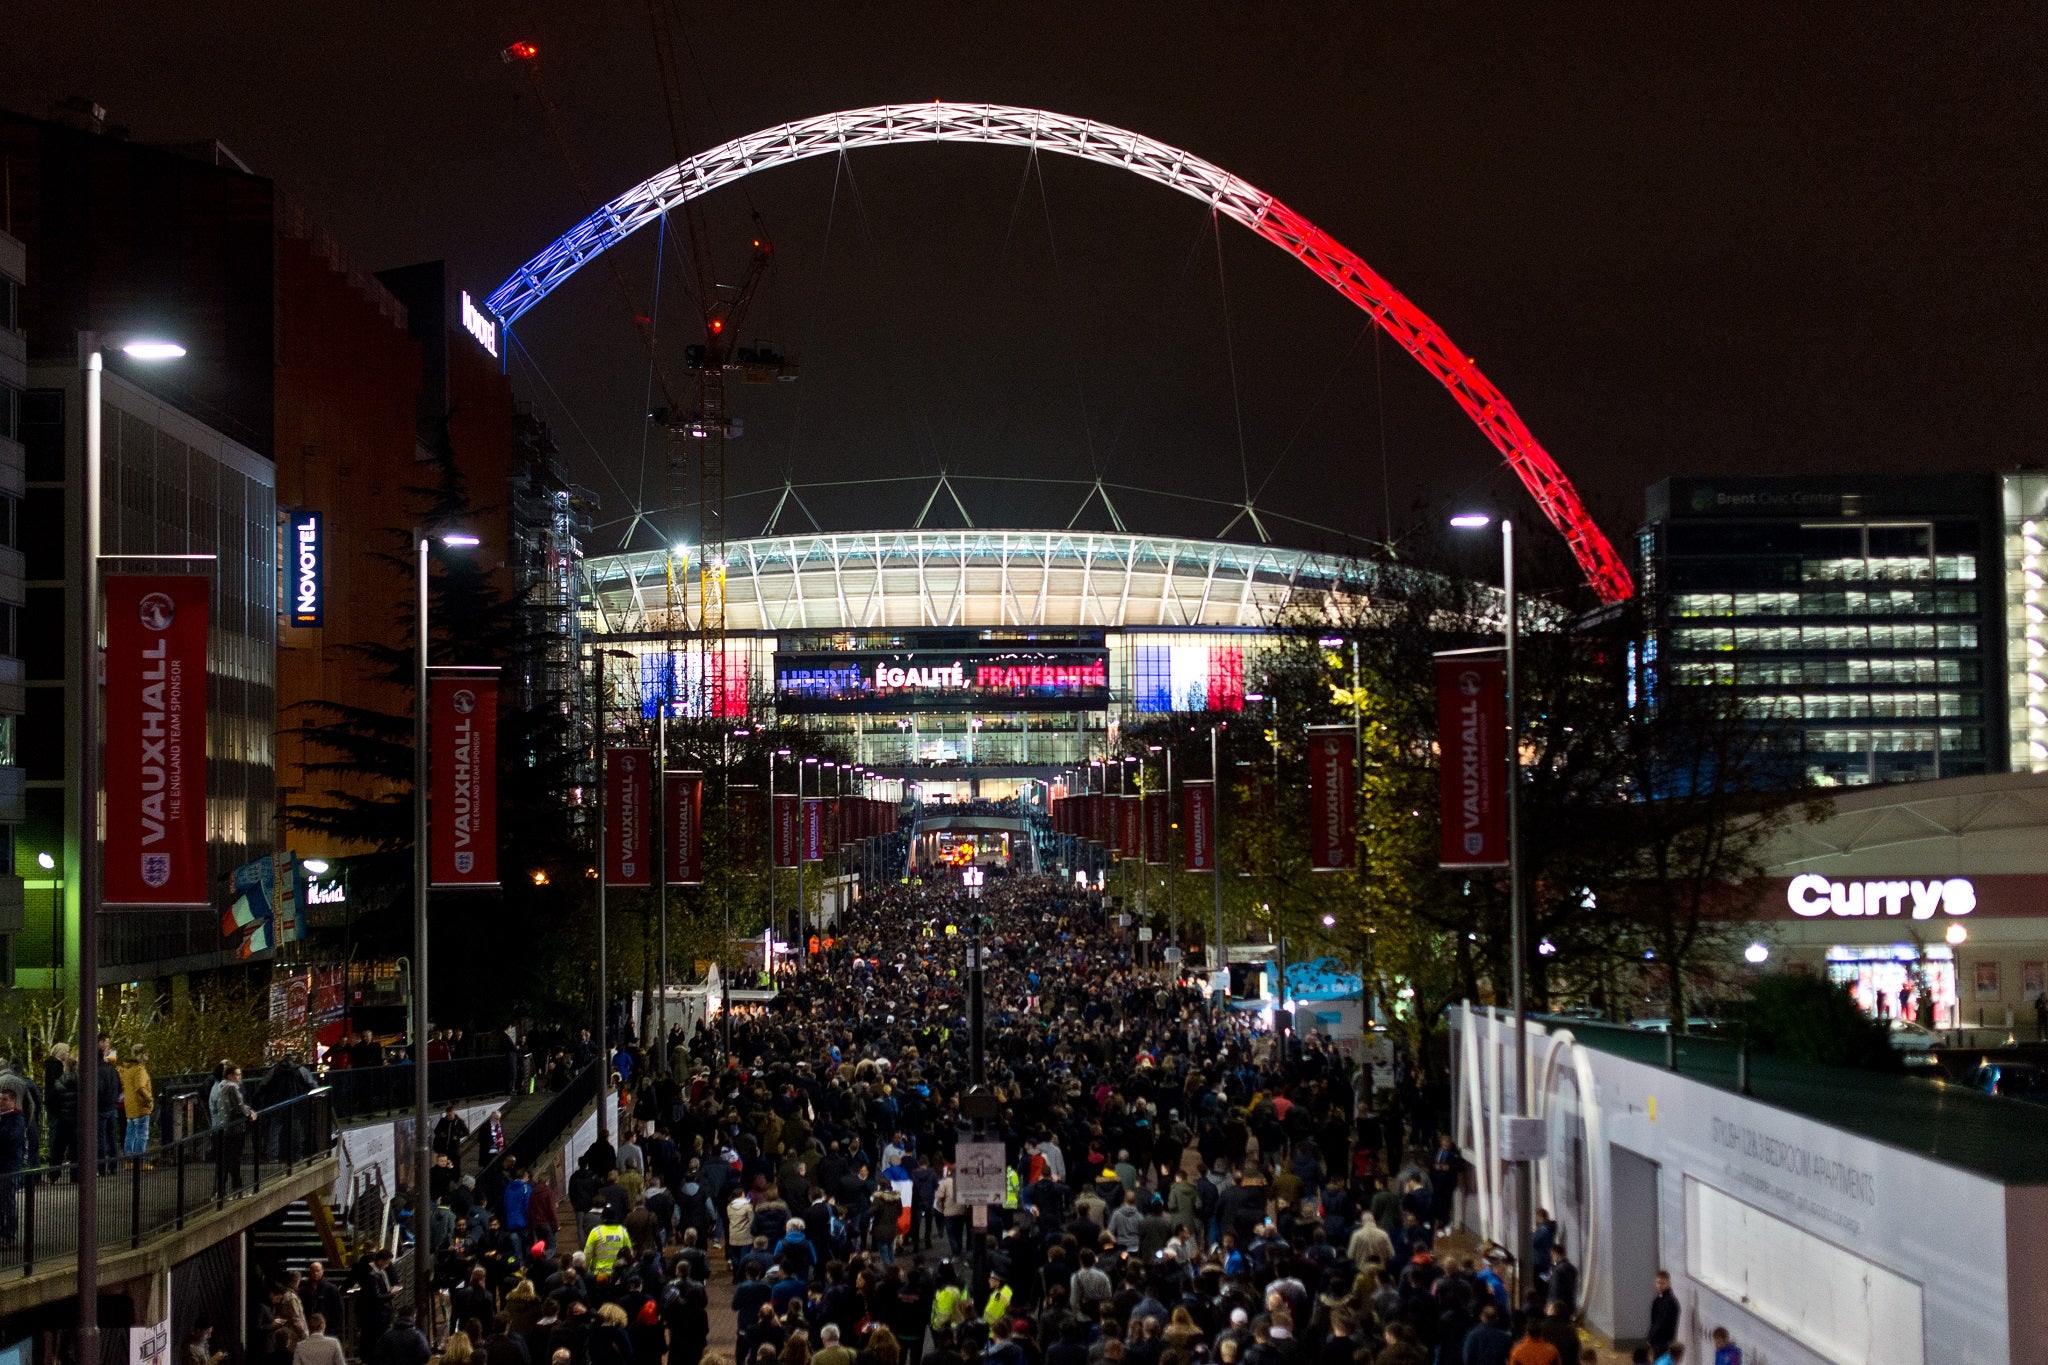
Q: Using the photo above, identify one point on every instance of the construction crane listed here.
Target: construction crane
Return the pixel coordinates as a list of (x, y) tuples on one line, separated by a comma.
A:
[(695, 413), (705, 427)]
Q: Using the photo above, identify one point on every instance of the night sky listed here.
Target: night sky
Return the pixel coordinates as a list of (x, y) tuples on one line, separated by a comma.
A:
[(1734, 237)]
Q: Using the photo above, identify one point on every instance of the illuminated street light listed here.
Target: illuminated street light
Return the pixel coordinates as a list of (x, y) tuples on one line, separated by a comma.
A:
[(1756, 954), (1471, 521)]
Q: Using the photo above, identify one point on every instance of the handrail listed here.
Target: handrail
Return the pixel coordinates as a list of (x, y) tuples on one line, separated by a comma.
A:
[(164, 1185)]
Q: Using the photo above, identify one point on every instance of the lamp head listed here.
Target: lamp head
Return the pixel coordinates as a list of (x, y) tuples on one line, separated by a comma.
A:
[(1471, 521), (457, 540), (151, 348)]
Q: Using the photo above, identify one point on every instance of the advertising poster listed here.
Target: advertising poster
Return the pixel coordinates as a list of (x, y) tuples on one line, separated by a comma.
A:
[(462, 778), (155, 693), (1471, 703)]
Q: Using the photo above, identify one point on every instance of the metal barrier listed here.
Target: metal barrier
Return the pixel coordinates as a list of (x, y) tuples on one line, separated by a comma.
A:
[(142, 1196), (389, 1089)]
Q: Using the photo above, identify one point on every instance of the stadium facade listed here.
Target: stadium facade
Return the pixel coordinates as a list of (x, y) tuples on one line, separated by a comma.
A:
[(1011, 653)]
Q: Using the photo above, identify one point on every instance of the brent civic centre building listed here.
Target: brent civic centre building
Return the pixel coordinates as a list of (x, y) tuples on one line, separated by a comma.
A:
[(1013, 653)]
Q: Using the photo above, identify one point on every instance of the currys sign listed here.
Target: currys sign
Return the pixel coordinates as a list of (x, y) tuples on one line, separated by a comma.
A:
[(1812, 895), (155, 695), (304, 550)]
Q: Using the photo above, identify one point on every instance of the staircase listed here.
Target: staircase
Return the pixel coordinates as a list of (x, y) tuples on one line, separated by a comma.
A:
[(296, 1235)]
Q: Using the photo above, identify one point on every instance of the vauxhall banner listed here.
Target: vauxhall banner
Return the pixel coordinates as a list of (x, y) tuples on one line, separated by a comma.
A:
[(1198, 825), (1131, 825), (814, 829), (1156, 821), (462, 777), (1471, 727), (788, 827), (155, 692), (629, 817), (1332, 752), (682, 803), (743, 830)]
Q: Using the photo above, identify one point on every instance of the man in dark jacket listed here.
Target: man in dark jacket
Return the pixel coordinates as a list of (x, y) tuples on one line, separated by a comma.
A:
[(404, 1344), (1663, 1316), (111, 1124), (1489, 1342), (1564, 1280)]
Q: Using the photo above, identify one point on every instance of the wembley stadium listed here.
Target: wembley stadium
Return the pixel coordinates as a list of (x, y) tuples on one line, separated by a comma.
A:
[(969, 661)]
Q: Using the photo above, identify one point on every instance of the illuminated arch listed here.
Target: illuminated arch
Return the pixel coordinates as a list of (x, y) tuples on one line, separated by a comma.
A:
[(1001, 125)]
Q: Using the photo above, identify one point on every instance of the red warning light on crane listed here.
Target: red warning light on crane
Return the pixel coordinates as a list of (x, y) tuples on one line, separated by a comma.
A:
[(519, 52)]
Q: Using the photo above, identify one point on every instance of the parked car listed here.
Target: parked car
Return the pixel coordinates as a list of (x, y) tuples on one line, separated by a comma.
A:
[(1693, 1024), (1908, 1036), (2013, 1080)]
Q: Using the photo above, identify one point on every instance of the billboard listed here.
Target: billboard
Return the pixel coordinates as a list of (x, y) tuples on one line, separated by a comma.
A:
[(628, 817), (682, 799), (1187, 678), (1332, 755), (155, 694), (462, 777), (1471, 721), (1005, 679), (1198, 825)]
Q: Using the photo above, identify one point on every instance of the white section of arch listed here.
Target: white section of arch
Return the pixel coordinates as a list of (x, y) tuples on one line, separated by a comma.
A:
[(1042, 130)]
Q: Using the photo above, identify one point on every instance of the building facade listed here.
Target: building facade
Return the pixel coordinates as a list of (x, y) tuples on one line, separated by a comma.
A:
[(13, 592), (1014, 653), (1884, 628)]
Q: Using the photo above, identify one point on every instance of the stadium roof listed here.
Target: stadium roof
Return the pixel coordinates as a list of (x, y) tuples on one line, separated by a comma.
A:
[(884, 580)]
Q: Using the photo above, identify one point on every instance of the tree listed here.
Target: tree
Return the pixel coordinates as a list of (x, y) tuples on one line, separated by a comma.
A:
[(1809, 1019), (482, 956)]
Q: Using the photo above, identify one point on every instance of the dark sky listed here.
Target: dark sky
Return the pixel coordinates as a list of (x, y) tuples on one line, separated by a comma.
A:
[(1768, 237)]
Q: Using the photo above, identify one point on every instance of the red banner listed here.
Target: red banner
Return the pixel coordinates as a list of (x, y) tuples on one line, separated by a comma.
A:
[(1157, 821), (155, 694), (1098, 818), (788, 826), (628, 817), (743, 827), (1332, 840), (1471, 727), (1198, 825), (814, 829), (682, 801), (462, 778), (832, 808), (1131, 820)]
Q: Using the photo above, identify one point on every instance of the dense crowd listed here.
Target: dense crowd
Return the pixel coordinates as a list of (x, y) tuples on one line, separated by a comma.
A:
[(1181, 1188)]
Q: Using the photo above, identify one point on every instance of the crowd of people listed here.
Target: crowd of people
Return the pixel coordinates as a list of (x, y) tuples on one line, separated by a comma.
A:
[(1180, 1188)]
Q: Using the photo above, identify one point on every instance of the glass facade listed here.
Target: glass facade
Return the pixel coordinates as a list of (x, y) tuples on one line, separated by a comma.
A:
[(170, 486), (1857, 619)]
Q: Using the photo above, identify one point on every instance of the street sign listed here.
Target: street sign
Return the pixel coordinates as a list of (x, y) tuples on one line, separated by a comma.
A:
[(978, 1173), (1144, 933), (1523, 1139)]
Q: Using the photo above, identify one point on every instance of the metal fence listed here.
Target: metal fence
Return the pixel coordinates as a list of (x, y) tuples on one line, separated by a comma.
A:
[(142, 1196), (389, 1089)]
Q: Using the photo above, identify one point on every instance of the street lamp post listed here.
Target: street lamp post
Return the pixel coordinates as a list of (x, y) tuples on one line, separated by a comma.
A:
[(423, 1157), (1524, 1194), (1218, 959), (604, 1004), (93, 364)]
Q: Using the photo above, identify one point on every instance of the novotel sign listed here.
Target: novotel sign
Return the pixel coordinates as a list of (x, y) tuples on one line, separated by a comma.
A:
[(304, 551), (480, 325), (1812, 895)]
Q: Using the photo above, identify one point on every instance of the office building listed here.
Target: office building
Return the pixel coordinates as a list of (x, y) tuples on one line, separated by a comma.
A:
[(1878, 626)]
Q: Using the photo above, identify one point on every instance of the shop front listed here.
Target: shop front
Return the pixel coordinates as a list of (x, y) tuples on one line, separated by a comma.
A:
[(1928, 900)]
